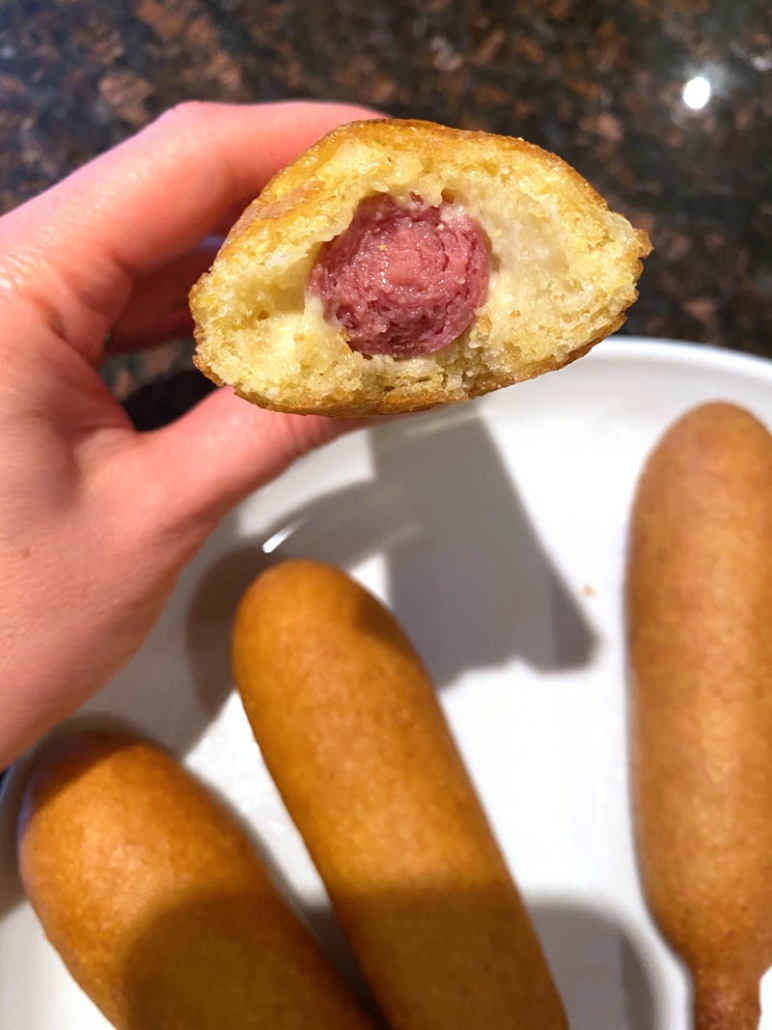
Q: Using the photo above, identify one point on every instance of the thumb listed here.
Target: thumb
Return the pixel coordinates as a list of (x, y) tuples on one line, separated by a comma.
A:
[(225, 447)]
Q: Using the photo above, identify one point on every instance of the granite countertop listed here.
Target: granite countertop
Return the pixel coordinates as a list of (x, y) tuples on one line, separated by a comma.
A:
[(665, 107)]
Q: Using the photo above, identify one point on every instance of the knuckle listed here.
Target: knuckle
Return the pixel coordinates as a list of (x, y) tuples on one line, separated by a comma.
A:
[(188, 115)]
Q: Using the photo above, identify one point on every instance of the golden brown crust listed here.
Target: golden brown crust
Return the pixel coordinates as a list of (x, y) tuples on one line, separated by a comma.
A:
[(350, 727), (156, 901), (375, 402), (700, 608), (290, 187), (517, 335)]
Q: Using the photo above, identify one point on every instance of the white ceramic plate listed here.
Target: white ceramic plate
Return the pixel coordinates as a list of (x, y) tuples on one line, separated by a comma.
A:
[(496, 532)]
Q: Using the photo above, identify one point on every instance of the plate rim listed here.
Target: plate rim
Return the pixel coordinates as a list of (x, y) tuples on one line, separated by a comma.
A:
[(666, 350)]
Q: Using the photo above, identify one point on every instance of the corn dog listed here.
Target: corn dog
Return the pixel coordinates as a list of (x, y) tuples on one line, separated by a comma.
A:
[(157, 902), (349, 724), (398, 264), (700, 637)]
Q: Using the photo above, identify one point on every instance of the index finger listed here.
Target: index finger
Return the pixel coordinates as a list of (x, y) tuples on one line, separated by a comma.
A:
[(79, 245)]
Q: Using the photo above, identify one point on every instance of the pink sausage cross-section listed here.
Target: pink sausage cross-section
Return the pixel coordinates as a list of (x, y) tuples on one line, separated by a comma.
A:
[(403, 280)]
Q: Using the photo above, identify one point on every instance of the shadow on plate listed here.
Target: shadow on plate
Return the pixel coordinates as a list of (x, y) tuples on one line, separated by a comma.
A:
[(605, 979), (467, 575), (210, 623)]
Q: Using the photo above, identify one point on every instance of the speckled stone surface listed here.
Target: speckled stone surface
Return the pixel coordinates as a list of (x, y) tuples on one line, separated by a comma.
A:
[(603, 84)]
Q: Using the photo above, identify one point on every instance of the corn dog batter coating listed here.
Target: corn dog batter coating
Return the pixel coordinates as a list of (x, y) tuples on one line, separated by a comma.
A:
[(155, 898), (349, 725)]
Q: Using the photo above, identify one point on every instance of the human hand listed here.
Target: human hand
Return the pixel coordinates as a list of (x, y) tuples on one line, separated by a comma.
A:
[(97, 520)]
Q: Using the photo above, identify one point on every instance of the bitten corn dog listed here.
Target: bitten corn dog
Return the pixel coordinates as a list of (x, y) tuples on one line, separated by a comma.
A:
[(401, 264)]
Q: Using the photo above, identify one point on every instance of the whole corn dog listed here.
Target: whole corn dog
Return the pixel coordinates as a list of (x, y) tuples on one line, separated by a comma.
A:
[(700, 634), (157, 903), (350, 727)]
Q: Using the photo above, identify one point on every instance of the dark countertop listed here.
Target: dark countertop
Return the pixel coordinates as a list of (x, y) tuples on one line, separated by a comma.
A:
[(602, 84)]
